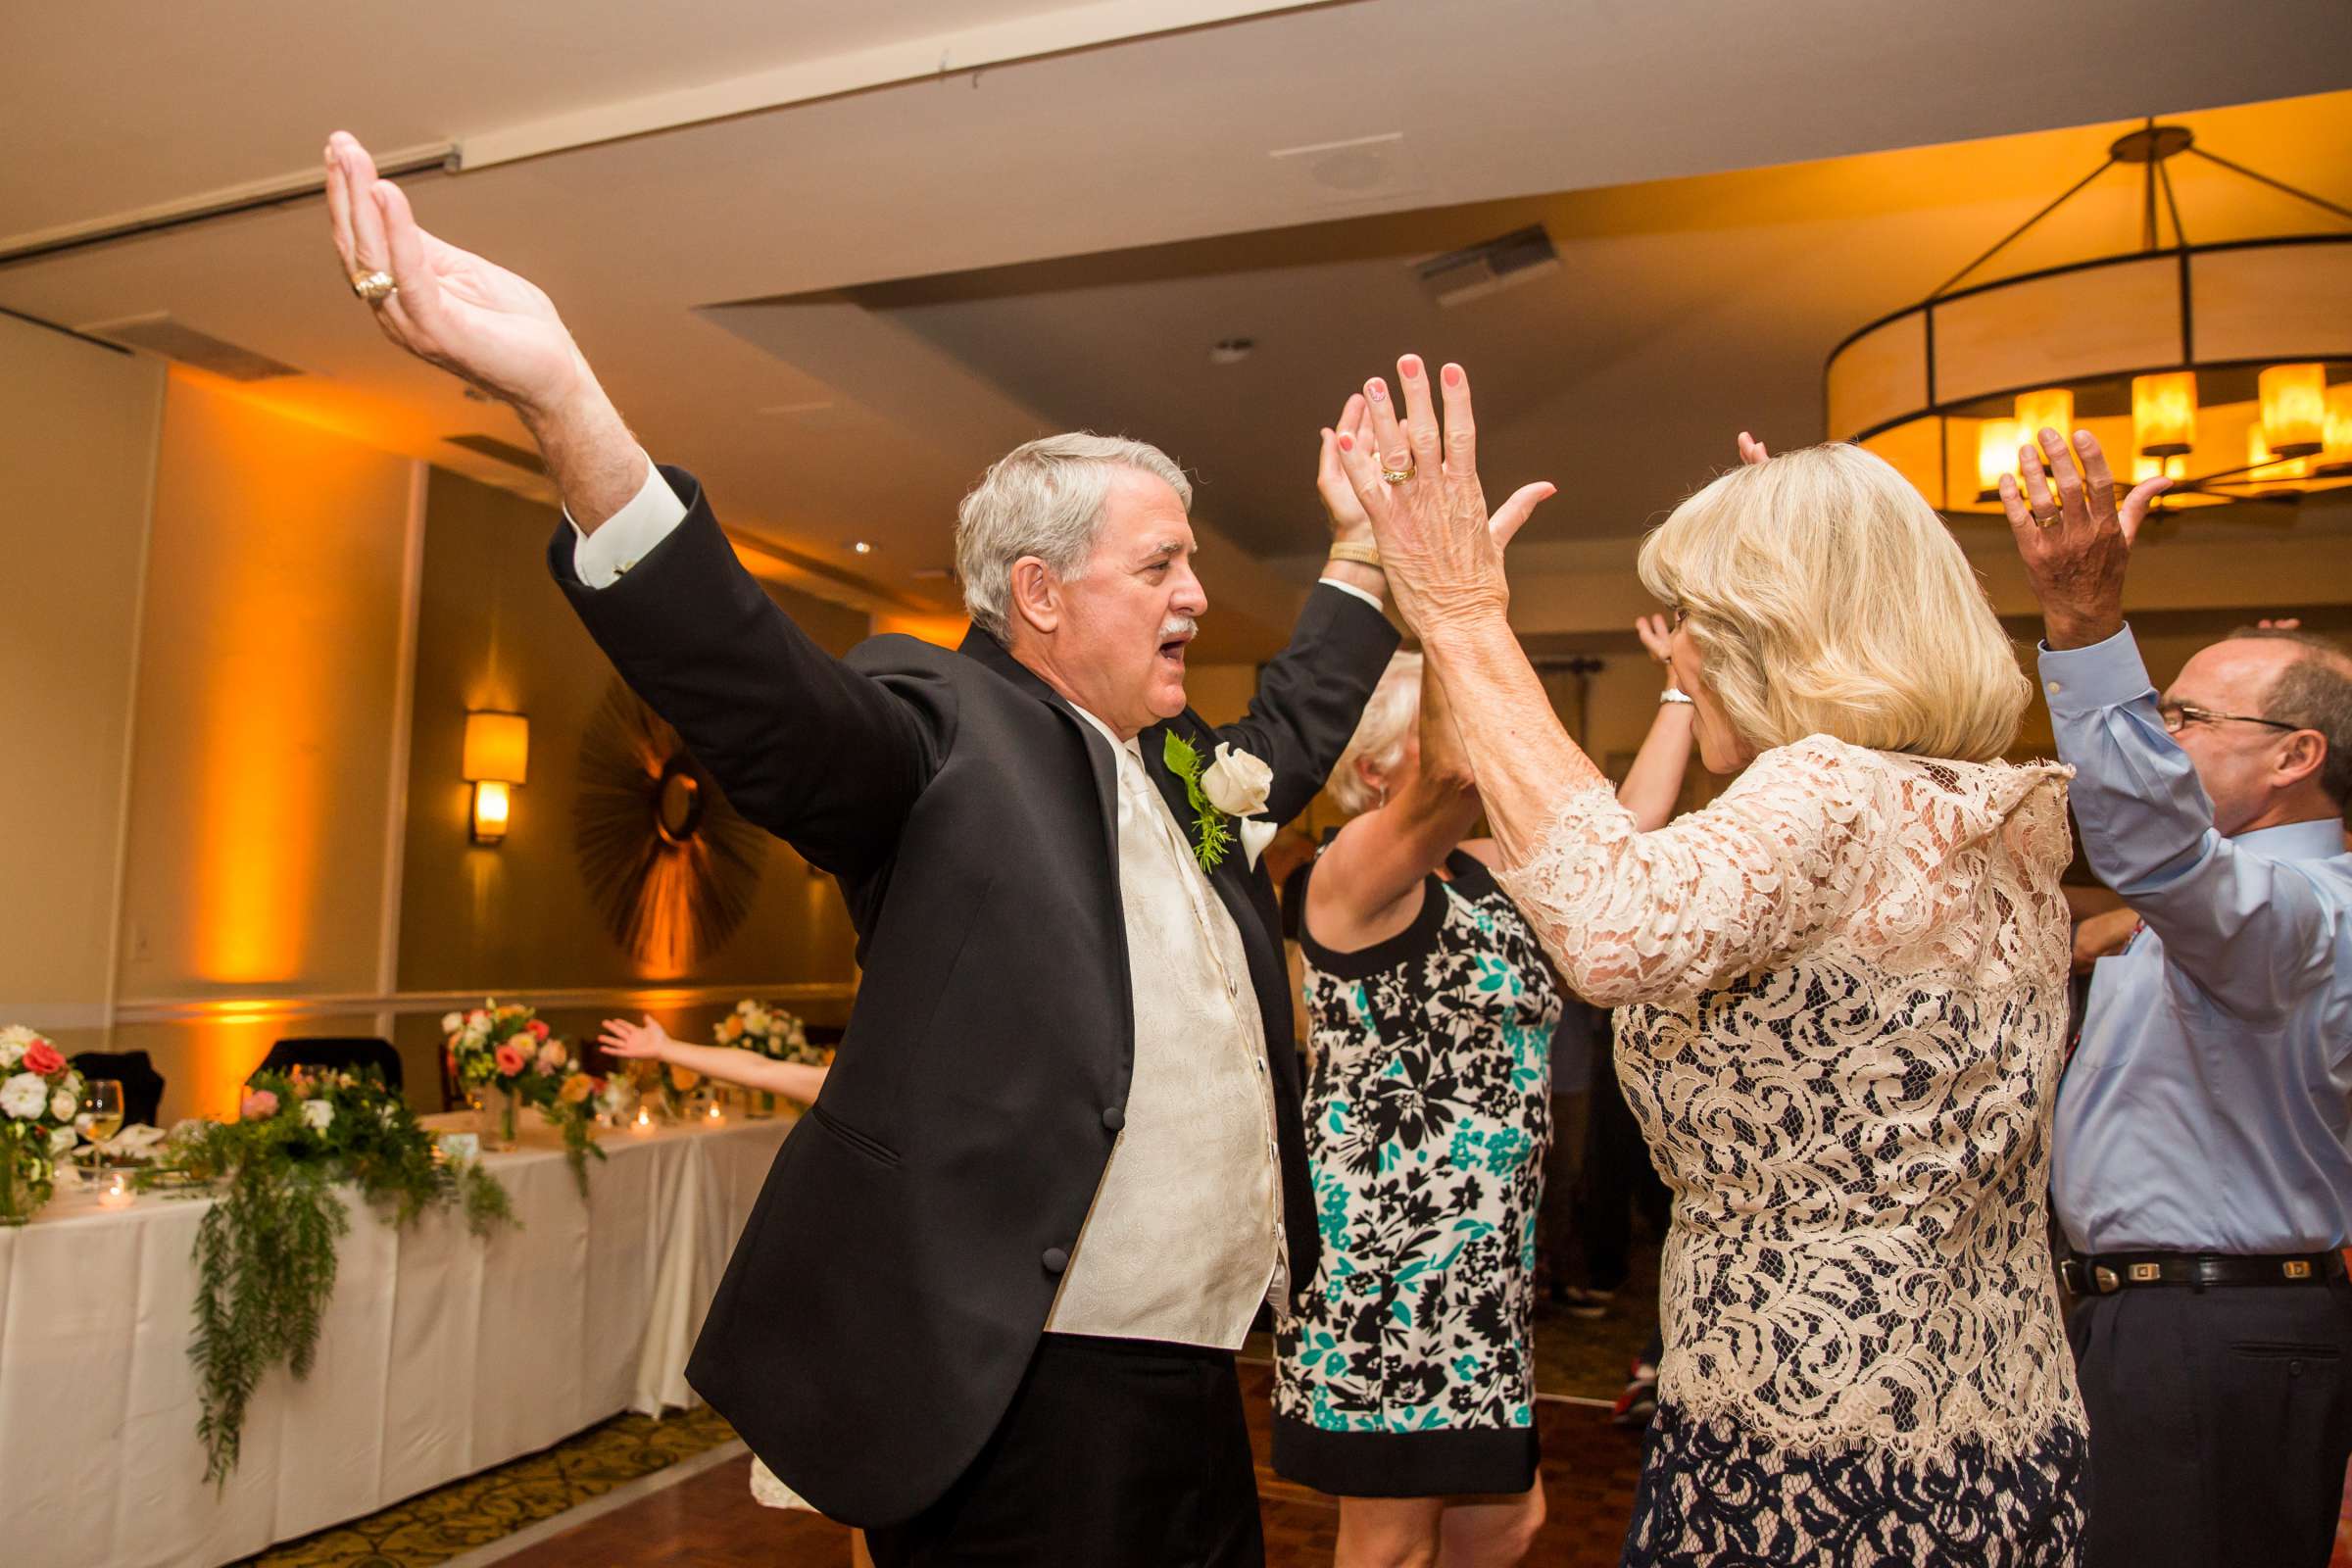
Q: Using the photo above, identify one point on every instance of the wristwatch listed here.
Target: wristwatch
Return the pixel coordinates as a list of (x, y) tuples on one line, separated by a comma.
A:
[(1674, 694)]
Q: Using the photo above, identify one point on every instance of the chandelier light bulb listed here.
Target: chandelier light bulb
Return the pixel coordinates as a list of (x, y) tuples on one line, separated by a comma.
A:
[(2163, 414), (2294, 409)]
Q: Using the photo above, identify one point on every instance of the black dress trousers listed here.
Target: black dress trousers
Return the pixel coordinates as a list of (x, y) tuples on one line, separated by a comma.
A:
[(1114, 1453), (2220, 1422)]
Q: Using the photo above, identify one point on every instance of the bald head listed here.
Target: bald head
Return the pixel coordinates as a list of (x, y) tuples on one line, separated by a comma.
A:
[(2263, 775)]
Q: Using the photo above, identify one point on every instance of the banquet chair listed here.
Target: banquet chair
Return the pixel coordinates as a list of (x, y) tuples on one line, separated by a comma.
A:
[(335, 1052), (142, 1085)]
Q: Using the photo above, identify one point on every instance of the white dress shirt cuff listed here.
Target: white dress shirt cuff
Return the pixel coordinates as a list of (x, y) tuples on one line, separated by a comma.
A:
[(628, 535), (1351, 588)]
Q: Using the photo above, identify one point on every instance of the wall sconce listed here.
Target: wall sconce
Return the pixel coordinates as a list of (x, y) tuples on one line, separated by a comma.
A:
[(498, 753)]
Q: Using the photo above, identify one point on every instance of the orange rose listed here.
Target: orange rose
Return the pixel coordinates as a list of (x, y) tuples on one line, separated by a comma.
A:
[(577, 1088), (681, 1079)]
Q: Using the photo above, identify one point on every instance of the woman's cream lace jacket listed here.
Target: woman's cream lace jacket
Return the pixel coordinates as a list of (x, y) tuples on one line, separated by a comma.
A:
[(1843, 990)]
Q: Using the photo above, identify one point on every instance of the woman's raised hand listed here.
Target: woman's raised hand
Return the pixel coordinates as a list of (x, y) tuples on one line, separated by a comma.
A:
[(648, 1042), (448, 307), (1751, 449), (1420, 488), (1339, 504), (1657, 636)]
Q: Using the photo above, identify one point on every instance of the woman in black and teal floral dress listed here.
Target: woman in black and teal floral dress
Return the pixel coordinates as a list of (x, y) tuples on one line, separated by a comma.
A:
[(1406, 1383)]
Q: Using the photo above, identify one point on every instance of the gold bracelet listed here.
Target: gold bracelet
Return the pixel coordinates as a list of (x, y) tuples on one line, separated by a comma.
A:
[(1361, 554)]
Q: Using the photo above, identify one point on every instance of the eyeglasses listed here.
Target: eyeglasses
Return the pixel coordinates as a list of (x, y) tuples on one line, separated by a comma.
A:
[(2178, 716)]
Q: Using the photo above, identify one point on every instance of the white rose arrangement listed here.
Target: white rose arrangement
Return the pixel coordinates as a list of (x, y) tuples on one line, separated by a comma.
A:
[(1229, 791), (39, 1098)]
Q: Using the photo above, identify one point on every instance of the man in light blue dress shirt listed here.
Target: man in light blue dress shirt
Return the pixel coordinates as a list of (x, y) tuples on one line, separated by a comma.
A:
[(2203, 1164)]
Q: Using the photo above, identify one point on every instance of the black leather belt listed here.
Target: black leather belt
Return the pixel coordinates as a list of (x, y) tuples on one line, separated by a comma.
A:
[(2109, 1272)]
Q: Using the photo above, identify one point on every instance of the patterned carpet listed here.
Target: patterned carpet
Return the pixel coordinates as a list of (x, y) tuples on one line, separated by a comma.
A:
[(436, 1526)]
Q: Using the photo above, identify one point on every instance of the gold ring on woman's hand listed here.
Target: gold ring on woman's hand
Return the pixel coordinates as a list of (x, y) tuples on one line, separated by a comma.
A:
[(1398, 476), (374, 287)]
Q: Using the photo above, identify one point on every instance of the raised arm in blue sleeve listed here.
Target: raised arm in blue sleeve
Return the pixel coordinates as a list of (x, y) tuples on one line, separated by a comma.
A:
[(2249, 931)]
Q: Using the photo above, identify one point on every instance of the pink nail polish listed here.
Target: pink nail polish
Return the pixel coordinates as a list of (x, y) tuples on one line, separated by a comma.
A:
[(1454, 375), (1375, 391)]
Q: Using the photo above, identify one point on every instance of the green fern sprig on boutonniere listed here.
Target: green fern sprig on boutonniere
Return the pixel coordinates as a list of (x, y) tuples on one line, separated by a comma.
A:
[(1212, 829)]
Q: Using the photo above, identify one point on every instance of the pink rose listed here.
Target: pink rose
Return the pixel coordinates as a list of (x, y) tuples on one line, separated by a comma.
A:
[(42, 1058), (551, 1056), (259, 1105), (538, 1029), (510, 1060)]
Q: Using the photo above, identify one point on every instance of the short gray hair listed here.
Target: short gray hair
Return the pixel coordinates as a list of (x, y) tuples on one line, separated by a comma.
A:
[(2315, 692), (1390, 716), (1045, 499)]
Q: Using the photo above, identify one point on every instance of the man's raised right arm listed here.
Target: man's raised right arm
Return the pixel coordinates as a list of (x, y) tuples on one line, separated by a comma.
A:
[(816, 752)]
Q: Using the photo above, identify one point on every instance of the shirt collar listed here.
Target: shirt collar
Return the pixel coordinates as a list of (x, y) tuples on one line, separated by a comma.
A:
[(2321, 839), (1107, 733)]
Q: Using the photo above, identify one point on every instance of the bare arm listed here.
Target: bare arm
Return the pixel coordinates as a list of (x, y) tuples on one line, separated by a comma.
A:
[(1655, 780), (1367, 885), (650, 1041)]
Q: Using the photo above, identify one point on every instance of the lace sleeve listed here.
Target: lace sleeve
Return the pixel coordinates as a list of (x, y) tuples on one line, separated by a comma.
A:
[(1631, 916)]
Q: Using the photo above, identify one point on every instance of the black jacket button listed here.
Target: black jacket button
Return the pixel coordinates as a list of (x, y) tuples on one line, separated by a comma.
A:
[(1114, 1118), (1056, 1261)]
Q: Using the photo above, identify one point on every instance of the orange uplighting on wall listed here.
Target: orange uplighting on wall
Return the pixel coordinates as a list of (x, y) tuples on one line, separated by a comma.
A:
[(942, 631), (2294, 409), (2163, 414), (497, 756)]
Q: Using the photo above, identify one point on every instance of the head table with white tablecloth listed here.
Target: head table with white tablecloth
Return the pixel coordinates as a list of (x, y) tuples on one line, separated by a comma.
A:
[(443, 1352)]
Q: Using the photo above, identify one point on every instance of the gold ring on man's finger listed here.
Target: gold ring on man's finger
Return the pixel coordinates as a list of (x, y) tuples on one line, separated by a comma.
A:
[(2048, 520), (374, 287)]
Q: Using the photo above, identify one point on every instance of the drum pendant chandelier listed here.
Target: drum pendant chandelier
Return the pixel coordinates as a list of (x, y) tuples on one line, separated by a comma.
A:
[(2227, 366)]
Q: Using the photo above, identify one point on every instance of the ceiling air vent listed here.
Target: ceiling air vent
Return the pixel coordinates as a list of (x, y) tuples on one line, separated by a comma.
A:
[(1513, 258), (159, 333), (507, 452)]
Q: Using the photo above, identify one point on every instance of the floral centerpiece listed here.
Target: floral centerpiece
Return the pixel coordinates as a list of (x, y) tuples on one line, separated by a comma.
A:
[(40, 1094), (676, 1085), (266, 1250), (773, 1033), (511, 1052)]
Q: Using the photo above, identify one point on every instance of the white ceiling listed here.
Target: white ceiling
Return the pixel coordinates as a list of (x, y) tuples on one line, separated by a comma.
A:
[(1668, 321)]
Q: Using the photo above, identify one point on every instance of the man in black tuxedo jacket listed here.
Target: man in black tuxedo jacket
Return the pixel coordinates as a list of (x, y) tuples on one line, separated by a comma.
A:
[(986, 1303)]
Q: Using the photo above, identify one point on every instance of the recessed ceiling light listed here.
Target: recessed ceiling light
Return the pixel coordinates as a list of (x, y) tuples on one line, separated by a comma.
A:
[(1231, 350)]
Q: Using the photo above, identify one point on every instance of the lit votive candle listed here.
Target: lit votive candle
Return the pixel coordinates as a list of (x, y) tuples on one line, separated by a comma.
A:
[(716, 1116), (116, 1193), (644, 1122)]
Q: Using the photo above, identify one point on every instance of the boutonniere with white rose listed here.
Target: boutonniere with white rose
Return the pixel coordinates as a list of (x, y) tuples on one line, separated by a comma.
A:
[(1226, 795)]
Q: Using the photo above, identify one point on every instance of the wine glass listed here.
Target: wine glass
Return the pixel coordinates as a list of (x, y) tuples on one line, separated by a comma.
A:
[(99, 1117)]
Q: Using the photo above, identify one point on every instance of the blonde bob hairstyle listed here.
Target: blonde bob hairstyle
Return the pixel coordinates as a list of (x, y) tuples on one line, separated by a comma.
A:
[(1826, 597), (1390, 714)]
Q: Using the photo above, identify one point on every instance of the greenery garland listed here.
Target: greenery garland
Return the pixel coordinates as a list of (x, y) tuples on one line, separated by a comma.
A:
[(266, 1251)]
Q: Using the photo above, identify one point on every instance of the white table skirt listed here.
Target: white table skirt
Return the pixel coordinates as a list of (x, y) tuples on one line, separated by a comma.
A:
[(441, 1355)]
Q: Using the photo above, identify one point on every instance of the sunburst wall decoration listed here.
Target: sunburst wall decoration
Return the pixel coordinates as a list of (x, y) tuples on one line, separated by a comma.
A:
[(670, 866)]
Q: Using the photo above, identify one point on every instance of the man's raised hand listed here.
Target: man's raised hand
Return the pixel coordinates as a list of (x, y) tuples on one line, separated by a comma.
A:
[(2075, 543), (448, 307), (483, 324)]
